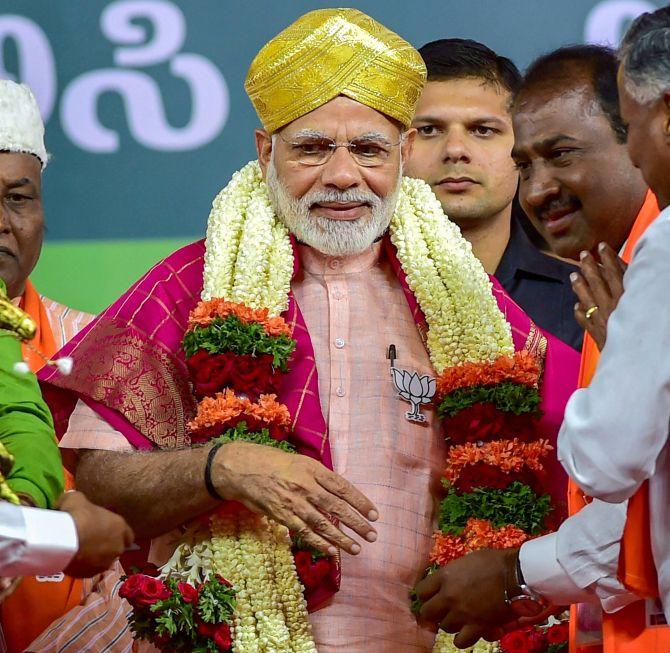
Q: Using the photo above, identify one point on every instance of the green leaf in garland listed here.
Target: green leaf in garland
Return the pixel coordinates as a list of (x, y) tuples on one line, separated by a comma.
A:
[(517, 505), (506, 397), (241, 434), (240, 338)]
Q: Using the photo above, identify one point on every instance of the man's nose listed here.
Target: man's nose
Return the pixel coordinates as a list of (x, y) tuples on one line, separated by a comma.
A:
[(341, 170), (538, 187), (455, 148)]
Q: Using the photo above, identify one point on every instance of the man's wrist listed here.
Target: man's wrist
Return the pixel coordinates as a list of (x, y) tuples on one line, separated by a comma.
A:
[(522, 599), (209, 483)]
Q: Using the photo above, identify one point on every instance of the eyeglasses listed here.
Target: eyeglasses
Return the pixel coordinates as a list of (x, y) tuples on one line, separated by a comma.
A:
[(316, 151)]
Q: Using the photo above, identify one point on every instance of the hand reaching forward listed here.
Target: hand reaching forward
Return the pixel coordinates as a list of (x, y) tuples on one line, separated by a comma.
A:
[(598, 287), (102, 535), (296, 491)]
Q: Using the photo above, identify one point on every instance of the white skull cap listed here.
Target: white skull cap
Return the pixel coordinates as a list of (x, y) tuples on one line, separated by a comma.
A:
[(21, 126)]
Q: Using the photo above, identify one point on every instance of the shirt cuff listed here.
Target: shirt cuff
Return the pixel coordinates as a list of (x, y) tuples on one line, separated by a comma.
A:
[(545, 575), (50, 543)]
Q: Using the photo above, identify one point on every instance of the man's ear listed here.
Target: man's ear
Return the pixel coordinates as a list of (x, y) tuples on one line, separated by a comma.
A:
[(264, 149), (666, 115), (407, 146)]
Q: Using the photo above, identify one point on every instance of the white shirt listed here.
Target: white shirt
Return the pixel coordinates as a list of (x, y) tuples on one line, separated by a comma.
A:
[(35, 541), (614, 437)]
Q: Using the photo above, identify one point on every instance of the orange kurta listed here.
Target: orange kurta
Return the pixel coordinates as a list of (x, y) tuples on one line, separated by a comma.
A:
[(624, 631)]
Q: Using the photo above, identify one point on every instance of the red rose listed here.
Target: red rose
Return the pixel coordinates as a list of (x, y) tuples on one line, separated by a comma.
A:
[(151, 591), (303, 561), (518, 641), (222, 637), (206, 630), (320, 569), (252, 375), (480, 421), (131, 588), (557, 634), (483, 475), (188, 592)]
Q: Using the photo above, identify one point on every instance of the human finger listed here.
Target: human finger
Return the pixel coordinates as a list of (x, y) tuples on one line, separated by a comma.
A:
[(613, 270), (429, 586), (592, 274), (298, 527), (468, 636), (340, 487), (435, 608), (344, 513), (451, 623), (582, 290), (322, 526)]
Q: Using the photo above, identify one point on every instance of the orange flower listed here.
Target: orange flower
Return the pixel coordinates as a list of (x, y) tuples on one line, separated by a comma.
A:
[(205, 312), (507, 455), (522, 368), (477, 534), (226, 406)]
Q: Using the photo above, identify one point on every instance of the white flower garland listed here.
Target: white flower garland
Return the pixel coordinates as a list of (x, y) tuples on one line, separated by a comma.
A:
[(249, 260)]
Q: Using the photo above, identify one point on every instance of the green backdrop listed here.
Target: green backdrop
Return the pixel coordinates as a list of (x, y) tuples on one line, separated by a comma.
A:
[(146, 116)]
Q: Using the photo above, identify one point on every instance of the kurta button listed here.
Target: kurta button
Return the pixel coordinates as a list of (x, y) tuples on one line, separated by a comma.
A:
[(339, 343), (340, 392)]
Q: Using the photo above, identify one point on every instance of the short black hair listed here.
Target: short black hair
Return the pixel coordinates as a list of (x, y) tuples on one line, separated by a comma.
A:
[(599, 62), (448, 59)]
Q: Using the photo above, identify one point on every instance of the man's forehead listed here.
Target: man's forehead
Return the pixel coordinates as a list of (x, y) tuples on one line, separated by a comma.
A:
[(539, 115), (18, 166), (470, 96), (343, 113)]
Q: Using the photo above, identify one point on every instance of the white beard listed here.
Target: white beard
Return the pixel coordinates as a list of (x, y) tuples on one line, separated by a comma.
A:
[(332, 237)]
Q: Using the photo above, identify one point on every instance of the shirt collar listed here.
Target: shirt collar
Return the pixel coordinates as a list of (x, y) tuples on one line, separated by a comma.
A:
[(521, 257), (316, 262)]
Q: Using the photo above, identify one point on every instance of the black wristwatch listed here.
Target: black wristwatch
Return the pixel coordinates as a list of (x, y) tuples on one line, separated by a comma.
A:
[(523, 600)]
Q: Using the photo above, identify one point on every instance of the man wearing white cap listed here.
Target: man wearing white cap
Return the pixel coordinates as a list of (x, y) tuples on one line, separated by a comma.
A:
[(23, 157)]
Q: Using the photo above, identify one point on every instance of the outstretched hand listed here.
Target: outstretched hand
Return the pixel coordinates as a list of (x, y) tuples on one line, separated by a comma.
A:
[(296, 491), (467, 596), (598, 286), (102, 535)]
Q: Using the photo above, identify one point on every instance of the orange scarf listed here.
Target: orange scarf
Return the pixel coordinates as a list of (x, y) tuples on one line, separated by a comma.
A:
[(43, 601), (624, 631)]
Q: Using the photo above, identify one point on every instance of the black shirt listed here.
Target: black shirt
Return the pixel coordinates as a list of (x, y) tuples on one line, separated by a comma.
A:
[(540, 284)]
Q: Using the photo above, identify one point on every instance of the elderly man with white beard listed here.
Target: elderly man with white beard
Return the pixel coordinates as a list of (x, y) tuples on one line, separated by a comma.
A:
[(324, 240)]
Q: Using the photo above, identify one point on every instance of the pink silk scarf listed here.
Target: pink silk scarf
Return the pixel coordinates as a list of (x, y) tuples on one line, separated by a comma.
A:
[(129, 367)]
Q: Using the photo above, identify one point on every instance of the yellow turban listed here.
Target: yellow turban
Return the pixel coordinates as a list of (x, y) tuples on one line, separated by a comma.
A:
[(331, 52)]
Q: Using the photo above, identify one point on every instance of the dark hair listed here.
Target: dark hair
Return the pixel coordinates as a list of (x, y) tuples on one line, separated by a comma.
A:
[(557, 69), (645, 52), (461, 58)]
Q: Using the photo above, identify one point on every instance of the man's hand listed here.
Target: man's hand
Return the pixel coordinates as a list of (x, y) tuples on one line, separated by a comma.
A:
[(598, 288), (103, 536), (296, 491), (467, 596)]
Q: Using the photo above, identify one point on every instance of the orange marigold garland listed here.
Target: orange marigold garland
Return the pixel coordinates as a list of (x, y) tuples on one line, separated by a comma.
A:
[(495, 465)]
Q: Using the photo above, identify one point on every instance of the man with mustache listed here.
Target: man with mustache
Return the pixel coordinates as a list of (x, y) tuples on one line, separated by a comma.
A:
[(304, 231), (463, 150), (577, 184)]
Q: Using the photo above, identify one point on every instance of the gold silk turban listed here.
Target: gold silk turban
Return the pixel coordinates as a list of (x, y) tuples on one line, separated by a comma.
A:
[(331, 52)]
